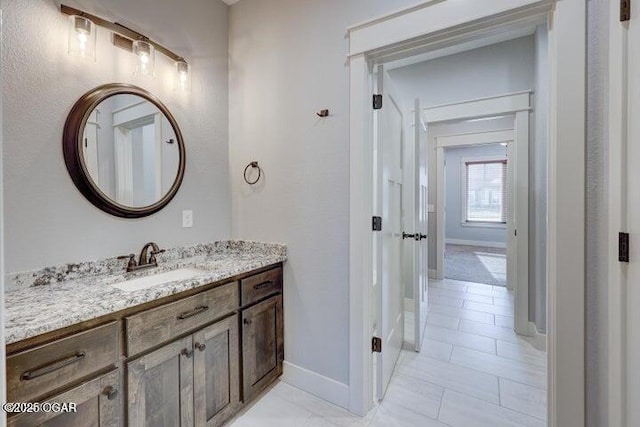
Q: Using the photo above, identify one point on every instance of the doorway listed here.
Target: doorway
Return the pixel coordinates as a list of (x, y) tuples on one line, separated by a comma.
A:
[(566, 188)]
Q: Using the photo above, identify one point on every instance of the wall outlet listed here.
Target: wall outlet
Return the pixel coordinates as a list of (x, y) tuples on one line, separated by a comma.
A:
[(187, 219)]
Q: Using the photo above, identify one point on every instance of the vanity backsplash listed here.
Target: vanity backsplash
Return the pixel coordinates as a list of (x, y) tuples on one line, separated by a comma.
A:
[(107, 266)]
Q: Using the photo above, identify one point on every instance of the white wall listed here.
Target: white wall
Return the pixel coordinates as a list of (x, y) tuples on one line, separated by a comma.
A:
[(454, 158), (288, 61), (47, 219), (487, 71)]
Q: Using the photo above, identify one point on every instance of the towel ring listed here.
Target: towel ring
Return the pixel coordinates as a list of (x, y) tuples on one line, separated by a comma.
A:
[(252, 165)]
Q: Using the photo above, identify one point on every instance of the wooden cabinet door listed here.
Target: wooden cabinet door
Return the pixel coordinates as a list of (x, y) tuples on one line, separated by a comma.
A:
[(216, 367), (97, 405), (160, 387), (262, 345)]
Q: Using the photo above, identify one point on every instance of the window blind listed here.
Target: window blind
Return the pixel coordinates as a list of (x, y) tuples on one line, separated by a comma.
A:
[(486, 197)]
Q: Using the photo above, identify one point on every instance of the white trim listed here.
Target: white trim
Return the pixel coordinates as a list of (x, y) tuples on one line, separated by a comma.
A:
[(478, 224), (476, 108), (520, 192), (479, 243), (566, 220), (360, 237), (409, 305), (616, 405), (538, 339), (432, 274), (454, 21), (440, 218), (431, 17), (476, 138), (316, 384)]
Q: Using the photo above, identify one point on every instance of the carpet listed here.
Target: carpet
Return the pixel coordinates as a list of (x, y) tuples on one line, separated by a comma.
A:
[(476, 264)]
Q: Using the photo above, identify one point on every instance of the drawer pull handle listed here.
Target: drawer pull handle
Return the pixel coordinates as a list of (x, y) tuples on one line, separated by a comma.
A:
[(263, 285), (187, 353), (110, 392), (53, 366), (201, 347), (193, 312)]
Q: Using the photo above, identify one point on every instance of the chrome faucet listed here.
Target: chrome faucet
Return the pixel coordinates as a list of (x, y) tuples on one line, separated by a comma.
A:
[(146, 260)]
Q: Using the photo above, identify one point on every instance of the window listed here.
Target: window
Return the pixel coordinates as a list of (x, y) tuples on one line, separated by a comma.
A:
[(486, 191)]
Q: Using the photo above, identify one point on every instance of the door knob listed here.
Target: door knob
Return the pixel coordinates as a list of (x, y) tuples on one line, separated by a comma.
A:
[(200, 347), (408, 236), (422, 236)]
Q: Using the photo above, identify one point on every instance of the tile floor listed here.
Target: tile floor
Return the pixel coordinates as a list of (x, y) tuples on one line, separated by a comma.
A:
[(473, 371)]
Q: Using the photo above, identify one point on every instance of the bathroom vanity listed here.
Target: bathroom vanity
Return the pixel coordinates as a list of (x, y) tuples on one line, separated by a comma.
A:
[(184, 353)]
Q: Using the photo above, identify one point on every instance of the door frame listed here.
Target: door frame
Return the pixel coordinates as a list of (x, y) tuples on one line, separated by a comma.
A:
[(519, 105), (617, 140), (434, 24), (514, 245)]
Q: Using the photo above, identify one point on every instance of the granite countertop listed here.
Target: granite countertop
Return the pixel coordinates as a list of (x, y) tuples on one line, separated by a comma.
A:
[(37, 309)]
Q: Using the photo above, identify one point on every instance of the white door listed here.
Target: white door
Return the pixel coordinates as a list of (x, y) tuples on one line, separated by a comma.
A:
[(633, 223), (421, 216), (390, 299), (414, 249)]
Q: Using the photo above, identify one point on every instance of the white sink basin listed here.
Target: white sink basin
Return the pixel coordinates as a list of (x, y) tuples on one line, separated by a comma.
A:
[(147, 282)]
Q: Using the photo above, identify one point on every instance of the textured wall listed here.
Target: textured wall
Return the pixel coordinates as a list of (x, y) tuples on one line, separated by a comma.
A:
[(47, 219), (287, 61)]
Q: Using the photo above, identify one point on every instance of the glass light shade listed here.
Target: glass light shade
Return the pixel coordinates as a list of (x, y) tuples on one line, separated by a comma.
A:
[(82, 37), (183, 76), (146, 54)]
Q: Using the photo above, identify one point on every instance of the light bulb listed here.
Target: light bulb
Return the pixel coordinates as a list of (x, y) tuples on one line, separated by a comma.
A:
[(146, 57), (183, 76), (82, 37)]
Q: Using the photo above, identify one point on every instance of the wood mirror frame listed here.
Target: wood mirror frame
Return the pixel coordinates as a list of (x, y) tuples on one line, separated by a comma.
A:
[(73, 156)]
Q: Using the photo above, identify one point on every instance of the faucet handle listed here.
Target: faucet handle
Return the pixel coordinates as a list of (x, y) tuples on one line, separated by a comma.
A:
[(132, 261), (152, 259)]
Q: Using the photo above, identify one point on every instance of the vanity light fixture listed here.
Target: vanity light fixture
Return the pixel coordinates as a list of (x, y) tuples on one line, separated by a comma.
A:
[(82, 37), (83, 23)]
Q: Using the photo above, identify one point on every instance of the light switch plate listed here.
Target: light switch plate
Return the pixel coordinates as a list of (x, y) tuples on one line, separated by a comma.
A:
[(187, 219)]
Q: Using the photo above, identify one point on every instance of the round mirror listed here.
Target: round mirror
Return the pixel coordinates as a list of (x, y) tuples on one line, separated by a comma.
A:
[(124, 150)]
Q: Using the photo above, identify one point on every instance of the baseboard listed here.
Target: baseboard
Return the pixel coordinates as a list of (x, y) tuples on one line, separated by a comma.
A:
[(316, 384), (538, 339), (476, 243), (433, 274), (409, 305)]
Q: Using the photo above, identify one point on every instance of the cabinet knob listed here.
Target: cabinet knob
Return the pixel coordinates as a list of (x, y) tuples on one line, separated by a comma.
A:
[(247, 321), (110, 392), (187, 353), (200, 346)]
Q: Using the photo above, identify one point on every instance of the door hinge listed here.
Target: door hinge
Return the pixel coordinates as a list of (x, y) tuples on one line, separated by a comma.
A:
[(625, 10), (377, 102), (376, 223), (376, 345), (623, 247)]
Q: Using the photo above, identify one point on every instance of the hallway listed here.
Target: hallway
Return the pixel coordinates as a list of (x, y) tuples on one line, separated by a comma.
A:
[(473, 371)]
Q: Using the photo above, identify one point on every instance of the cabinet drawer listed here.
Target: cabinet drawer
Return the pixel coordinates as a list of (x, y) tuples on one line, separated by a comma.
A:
[(261, 285), (158, 325), (41, 370)]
